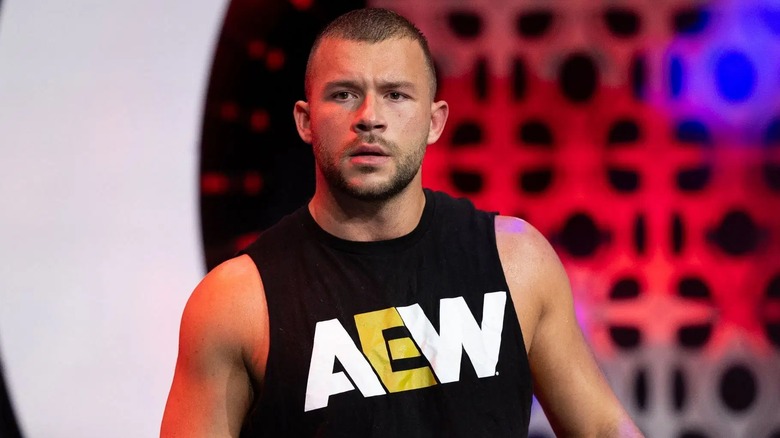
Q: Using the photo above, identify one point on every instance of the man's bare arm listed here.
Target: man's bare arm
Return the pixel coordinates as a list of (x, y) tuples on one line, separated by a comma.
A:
[(222, 339), (567, 381)]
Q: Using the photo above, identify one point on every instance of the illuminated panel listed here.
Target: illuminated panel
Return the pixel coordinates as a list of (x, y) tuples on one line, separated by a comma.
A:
[(641, 138)]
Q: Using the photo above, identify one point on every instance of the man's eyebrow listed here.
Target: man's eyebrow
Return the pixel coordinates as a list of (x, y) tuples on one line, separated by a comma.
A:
[(396, 84), (346, 83), (341, 84)]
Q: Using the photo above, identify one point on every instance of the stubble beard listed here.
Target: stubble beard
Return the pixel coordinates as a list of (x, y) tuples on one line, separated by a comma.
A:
[(407, 168)]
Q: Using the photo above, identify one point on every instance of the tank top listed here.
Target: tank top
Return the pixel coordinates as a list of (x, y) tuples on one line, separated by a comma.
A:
[(415, 336)]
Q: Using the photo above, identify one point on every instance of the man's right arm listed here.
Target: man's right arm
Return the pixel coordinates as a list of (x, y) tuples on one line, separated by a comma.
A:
[(223, 345)]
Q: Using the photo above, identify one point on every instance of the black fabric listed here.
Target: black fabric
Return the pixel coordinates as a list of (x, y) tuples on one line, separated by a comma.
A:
[(311, 276)]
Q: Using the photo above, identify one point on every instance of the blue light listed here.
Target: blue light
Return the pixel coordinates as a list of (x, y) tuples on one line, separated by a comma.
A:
[(772, 136), (735, 76), (693, 131), (722, 66), (771, 17), (676, 76), (691, 21)]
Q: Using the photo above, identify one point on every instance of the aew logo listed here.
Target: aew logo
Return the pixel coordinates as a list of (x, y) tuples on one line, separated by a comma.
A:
[(458, 331)]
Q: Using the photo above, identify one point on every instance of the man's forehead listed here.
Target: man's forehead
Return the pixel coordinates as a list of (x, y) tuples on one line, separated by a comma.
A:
[(330, 46), (401, 58)]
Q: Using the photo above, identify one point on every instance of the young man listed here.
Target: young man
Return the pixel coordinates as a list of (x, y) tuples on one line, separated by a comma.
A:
[(382, 309)]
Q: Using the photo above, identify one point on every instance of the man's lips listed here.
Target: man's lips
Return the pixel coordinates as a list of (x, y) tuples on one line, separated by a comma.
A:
[(368, 155), (368, 150)]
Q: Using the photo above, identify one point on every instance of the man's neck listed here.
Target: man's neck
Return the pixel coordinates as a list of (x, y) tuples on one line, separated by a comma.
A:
[(367, 221)]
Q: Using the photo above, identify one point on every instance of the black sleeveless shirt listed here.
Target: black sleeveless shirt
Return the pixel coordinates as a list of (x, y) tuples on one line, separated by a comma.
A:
[(410, 337)]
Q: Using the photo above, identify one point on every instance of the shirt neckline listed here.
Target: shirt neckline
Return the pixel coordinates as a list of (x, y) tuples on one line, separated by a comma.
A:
[(378, 246)]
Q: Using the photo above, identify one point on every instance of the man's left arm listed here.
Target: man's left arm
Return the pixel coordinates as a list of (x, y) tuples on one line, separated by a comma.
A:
[(567, 381)]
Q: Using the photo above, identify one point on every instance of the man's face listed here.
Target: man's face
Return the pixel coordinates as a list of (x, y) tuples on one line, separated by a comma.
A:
[(370, 115)]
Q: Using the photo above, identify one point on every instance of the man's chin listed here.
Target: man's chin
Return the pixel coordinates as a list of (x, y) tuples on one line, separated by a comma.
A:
[(373, 194), (375, 191), (377, 186)]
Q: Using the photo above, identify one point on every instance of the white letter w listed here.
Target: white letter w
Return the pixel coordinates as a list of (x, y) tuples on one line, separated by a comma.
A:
[(458, 331)]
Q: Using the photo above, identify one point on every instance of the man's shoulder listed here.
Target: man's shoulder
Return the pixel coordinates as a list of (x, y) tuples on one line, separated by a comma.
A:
[(233, 272), (524, 251), (514, 232), (226, 305), (228, 288)]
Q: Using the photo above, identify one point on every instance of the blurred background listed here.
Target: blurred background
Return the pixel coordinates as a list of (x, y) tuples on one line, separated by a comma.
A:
[(144, 143)]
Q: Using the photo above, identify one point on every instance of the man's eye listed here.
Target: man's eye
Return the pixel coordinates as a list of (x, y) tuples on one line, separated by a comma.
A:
[(342, 95), (395, 95)]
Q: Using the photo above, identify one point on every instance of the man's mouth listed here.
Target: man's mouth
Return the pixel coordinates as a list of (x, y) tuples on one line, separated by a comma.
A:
[(370, 155), (368, 151)]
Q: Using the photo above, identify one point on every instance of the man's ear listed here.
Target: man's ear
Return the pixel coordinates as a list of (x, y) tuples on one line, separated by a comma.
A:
[(439, 112), (302, 120)]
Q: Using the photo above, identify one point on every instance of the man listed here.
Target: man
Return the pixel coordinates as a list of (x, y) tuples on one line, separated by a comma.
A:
[(382, 309)]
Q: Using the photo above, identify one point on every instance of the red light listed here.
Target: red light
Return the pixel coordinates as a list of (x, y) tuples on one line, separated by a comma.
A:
[(274, 60), (259, 120), (256, 49), (229, 111), (214, 183), (253, 183)]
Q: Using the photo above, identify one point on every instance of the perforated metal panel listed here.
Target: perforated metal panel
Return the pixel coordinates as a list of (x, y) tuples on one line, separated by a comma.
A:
[(641, 138)]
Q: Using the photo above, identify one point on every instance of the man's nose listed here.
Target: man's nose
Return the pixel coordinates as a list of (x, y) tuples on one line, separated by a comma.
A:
[(369, 117)]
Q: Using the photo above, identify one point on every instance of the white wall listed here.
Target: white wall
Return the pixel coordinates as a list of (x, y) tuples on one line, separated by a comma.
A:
[(100, 110)]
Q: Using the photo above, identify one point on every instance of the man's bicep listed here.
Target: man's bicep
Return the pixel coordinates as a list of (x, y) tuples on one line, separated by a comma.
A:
[(211, 392), (567, 381)]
